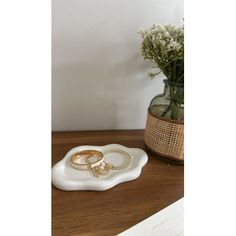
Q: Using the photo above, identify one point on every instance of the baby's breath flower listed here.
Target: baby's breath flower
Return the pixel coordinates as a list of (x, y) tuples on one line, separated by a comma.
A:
[(164, 46)]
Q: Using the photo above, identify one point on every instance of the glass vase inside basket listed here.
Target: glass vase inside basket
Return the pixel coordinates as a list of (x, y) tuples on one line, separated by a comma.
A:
[(170, 104)]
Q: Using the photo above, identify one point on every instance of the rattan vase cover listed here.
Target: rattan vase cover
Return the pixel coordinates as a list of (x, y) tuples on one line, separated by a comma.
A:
[(164, 133), (165, 137)]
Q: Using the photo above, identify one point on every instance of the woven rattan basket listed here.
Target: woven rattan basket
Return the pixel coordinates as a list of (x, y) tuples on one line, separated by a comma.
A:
[(165, 137)]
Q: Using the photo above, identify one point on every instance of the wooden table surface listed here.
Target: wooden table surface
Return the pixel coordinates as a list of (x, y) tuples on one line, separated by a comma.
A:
[(91, 213)]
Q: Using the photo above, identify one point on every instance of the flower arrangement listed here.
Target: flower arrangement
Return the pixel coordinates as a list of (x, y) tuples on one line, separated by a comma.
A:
[(164, 46)]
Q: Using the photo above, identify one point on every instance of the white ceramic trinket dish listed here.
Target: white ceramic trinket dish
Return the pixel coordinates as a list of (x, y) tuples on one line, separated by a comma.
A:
[(67, 178)]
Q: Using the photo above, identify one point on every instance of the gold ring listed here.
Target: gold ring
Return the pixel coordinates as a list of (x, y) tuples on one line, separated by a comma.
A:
[(101, 169), (123, 166), (89, 153)]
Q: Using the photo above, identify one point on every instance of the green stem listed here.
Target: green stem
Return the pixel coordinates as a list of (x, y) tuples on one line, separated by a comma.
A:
[(166, 111)]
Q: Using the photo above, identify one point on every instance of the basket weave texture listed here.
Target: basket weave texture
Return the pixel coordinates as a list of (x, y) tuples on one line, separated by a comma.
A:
[(164, 137)]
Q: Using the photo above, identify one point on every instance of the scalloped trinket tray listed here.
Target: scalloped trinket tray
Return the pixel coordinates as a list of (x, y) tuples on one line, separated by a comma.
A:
[(67, 178)]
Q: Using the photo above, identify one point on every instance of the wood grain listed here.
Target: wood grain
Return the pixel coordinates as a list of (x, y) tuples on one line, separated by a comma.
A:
[(90, 213)]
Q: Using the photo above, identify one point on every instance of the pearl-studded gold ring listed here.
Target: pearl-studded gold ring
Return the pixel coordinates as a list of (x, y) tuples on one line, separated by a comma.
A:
[(101, 169), (124, 153)]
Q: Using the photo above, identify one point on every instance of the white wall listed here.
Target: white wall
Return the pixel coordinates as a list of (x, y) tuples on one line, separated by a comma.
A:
[(99, 78)]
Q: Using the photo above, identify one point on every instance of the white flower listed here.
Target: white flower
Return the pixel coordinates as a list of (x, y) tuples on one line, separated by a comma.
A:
[(162, 45), (175, 46)]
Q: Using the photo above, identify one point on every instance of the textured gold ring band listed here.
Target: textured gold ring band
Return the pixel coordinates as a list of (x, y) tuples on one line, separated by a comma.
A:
[(124, 153), (89, 153)]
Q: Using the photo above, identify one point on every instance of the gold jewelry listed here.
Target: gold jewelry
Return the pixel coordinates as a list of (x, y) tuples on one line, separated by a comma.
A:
[(99, 167), (104, 167), (89, 154), (123, 166)]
